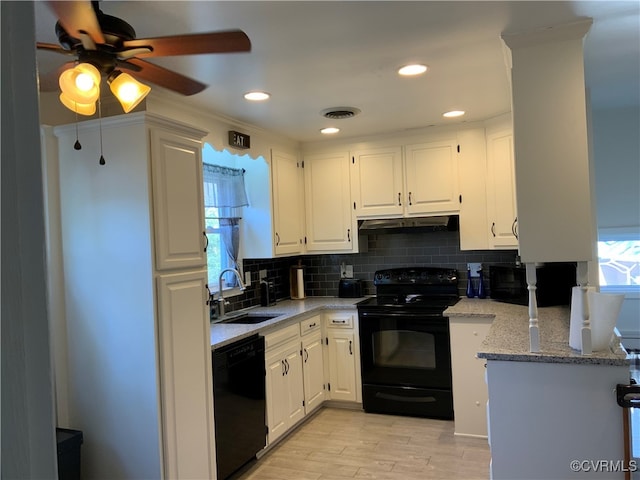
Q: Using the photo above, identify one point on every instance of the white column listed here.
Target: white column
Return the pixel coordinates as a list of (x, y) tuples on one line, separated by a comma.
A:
[(534, 331), (582, 276)]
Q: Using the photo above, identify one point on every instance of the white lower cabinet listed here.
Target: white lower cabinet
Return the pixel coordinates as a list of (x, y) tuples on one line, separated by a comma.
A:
[(284, 386), (301, 374), (469, 386), (343, 352), (312, 363)]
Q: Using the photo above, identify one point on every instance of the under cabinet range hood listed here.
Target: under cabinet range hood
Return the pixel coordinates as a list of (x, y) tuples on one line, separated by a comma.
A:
[(409, 225)]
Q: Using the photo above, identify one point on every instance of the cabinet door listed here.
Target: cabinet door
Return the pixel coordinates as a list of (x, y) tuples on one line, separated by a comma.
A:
[(472, 164), (277, 398), (185, 375), (288, 203), (294, 384), (376, 182), (329, 220), (431, 178), (178, 205), (501, 195), (313, 369), (469, 387), (342, 364)]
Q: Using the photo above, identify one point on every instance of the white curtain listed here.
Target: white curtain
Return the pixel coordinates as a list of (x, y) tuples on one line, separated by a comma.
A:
[(224, 189)]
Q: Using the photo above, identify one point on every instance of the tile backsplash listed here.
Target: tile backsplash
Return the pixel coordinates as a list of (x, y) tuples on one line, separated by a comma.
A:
[(322, 272)]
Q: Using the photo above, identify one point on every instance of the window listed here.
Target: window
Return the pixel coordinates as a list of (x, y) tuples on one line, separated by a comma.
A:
[(224, 197), (619, 260)]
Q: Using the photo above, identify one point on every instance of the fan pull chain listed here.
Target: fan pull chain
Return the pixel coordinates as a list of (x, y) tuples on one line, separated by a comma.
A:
[(77, 145), (102, 162)]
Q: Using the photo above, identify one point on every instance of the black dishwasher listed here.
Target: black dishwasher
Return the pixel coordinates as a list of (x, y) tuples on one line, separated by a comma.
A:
[(239, 403)]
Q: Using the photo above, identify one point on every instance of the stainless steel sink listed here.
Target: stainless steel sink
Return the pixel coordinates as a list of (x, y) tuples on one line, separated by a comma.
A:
[(248, 319)]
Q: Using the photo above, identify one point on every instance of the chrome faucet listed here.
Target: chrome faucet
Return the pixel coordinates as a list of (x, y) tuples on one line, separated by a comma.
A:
[(221, 296)]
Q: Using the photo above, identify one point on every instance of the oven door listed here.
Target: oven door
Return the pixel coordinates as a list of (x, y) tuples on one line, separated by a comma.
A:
[(407, 349)]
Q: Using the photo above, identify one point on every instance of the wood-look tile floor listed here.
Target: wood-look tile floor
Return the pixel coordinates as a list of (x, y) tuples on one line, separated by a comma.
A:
[(340, 444)]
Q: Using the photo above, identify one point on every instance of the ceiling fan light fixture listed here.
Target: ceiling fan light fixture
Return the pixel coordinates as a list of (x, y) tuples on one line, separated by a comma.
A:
[(129, 91), (81, 84), (81, 108), (257, 96)]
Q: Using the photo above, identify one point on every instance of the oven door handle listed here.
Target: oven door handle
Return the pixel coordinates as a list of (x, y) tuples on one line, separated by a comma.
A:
[(399, 398), (400, 315)]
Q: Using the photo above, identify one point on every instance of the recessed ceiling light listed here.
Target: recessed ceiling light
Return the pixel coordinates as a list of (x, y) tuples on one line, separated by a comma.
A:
[(329, 130), (414, 69), (256, 96), (453, 113)]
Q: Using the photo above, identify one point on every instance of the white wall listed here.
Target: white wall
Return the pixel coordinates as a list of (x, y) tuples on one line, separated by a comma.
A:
[(616, 153), (28, 428)]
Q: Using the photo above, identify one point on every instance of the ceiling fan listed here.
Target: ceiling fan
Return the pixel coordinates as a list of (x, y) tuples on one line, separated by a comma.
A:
[(104, 45)]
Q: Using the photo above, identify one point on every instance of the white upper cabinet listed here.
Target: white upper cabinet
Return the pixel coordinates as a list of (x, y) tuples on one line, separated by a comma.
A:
[(288, 203), (329, 219), (423, 181), (377, 182), (501, 193), (178, 213), (472, 163), (431, 178)]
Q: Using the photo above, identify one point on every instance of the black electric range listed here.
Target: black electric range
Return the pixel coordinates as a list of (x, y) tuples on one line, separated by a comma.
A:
[(404, 342)]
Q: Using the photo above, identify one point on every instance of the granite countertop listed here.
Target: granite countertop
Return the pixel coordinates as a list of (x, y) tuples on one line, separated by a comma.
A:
[(508, 337), (286, 312)]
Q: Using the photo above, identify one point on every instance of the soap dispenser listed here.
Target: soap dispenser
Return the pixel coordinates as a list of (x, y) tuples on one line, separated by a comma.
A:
[(471, 291)]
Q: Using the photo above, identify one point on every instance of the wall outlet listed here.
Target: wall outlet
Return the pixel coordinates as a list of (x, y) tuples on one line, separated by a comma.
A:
[(247, 279), (262, 274), (348, 271), (474, 269)]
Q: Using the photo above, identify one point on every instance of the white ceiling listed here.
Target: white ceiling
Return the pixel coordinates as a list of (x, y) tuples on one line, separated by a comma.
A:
[(315, 55)]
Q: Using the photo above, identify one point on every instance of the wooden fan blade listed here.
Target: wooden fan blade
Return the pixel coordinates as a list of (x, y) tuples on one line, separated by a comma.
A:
[(78, 17), (165, 78), (48, 82), (52, 47), (215, 42)]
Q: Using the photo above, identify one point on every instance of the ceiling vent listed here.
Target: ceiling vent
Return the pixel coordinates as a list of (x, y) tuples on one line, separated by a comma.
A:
[(339, 113)]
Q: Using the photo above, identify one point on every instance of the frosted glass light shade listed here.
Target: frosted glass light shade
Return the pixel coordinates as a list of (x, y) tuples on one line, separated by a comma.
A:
[(81, 84), (128, 90), (81, 108)]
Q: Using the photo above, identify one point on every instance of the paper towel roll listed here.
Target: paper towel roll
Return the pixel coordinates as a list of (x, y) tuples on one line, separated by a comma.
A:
[(300, 283), (575, 325), (604, 309)]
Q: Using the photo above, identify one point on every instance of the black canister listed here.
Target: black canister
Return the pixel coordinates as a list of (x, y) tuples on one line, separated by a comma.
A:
[(267, 293)]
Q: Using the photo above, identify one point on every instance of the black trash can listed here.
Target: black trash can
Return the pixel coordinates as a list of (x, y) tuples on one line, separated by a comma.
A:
[(69, 442)]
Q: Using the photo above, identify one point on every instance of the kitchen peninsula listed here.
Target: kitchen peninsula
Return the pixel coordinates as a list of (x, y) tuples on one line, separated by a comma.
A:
[(548, 408)]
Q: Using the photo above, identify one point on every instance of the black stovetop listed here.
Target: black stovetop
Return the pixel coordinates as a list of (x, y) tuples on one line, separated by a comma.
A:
[(431, 289)]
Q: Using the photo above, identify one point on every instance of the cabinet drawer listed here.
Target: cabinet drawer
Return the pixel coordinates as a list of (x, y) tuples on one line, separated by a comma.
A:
[(340, 320), (280, 336), (310, 325)]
